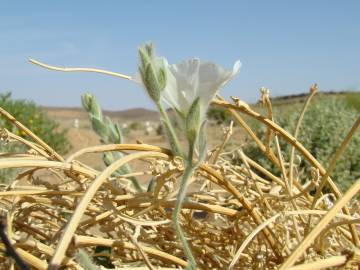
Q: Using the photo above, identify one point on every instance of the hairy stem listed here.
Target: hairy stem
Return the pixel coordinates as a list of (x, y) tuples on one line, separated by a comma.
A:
[(180, 198), (174, 141)]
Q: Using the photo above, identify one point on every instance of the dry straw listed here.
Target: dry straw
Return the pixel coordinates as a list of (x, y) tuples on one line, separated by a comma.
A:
[(234, 216)]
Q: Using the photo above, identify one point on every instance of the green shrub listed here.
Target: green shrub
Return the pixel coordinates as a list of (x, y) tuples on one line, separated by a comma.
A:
[(135, 126), (29, 114), (160, 130), (353, 100), (219, 115), (323, 129), (37, 121)]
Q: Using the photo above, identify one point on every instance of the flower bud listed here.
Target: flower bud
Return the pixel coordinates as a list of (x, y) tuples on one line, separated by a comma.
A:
[(90, 104), (151, 83), (152, 71)]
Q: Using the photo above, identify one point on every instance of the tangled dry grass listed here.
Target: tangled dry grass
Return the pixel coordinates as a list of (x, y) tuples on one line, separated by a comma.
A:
[(235, 216)]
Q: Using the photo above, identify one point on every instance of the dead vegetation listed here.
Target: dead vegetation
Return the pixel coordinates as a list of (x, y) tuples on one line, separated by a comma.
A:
[(234, 216)]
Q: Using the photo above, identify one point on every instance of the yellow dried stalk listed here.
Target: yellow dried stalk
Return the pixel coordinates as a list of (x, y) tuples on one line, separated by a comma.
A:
[(28, 132), (248, 218), (92, 241), (355, 188), (295, 143), (85, 200)]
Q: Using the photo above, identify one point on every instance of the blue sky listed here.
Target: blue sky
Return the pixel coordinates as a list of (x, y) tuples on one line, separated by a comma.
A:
[(283, 45)]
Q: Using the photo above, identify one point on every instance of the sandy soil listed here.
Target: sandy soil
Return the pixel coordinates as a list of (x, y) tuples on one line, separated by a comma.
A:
[(83, 136)]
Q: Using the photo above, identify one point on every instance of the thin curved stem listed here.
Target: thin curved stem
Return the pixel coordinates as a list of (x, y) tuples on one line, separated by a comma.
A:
[(336, 224), (28, 132), (326, 177), (290, 261), (173, 138), (66, 69), (117, 147), (253, 212), (285, 214), (81, 207), (313, 91), (337, 156), (321, 264), (293, 141), (189, 169), (34, 162), (83, 241)]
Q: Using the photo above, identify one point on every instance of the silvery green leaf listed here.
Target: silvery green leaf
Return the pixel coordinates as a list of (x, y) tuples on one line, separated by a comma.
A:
[(85, 261), (100, 128), (108, 158), (113, 135), (162, 78), (202, 142), (119, 133), (111, 157), (193, 121), (109, 132), (172, 140)]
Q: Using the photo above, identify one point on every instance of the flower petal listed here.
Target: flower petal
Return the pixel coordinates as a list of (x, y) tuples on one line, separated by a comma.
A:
[(183, 82), (191, 79), (236, 68), (211, 79)]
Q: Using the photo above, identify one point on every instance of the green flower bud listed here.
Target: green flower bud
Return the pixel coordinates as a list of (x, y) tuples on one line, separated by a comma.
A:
[(152, 71), (91, 105), (150, 49), (151, 83), (144, 58), (86, 101)]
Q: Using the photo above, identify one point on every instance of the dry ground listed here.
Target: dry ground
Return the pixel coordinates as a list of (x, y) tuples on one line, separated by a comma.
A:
[(84, 136)]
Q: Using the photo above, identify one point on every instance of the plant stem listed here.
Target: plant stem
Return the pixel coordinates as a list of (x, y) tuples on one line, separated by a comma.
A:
[(174, 141), (189, 169)]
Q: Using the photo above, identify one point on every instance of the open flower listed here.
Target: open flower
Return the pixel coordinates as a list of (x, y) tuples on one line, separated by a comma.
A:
[(192, 79), (188, 87)]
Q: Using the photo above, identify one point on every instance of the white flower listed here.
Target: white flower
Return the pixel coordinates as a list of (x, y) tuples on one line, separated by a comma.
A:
[(191, 79)]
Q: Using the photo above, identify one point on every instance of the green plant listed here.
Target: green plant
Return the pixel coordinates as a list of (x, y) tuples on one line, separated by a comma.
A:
[(219, 115), (108, 131), (324, 127), (135, 126), (28, 113), (8, 175), (160, 130), (353, 100)]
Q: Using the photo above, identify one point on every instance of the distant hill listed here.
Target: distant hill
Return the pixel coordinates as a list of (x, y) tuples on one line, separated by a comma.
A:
[(302, 96), (136, 114), (141, 114)]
